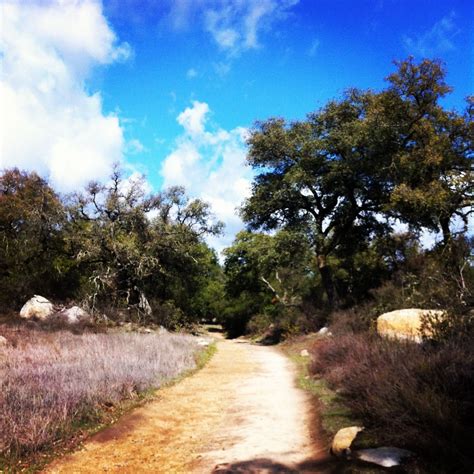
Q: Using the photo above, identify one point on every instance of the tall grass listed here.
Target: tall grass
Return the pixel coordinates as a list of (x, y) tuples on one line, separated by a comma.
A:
[(409, 395), (53, 381)]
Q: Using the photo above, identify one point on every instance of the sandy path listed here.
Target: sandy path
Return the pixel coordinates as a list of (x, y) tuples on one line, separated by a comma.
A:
[(241, 413)]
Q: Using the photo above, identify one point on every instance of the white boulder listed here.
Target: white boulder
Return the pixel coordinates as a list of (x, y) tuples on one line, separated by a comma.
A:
[(37, 307), (74, 315), (406, 323)]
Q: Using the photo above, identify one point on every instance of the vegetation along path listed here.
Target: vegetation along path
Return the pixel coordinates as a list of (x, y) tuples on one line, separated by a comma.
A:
[(241, 413)]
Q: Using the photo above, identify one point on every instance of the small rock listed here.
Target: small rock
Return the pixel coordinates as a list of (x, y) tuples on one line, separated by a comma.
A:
[(37, 307), (3, 341), (323, 331), (304, 353), (147, 331), (203, 342), (385, 456), (341, 444)]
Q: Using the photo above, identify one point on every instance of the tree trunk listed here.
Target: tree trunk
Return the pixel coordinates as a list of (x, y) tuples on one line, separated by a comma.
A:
[(444, 223), (327, 280)]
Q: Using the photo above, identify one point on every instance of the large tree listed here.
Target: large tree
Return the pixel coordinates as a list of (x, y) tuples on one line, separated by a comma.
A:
[(317, 176), (432, 169), (137, 247), (344, 172), (31, 241)]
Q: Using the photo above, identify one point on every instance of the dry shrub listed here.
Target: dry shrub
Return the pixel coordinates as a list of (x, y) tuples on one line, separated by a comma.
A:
[(53, 381), (412, 396)]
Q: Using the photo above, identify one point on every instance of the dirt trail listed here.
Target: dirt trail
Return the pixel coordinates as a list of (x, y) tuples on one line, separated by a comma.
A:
[(241, 413)]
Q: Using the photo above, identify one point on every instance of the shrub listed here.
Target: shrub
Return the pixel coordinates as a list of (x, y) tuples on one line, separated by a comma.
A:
[(413, 396), (52, 381)]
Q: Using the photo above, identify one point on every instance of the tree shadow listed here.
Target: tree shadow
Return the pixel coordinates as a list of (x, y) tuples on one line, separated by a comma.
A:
[(326, 465), (268, 466)]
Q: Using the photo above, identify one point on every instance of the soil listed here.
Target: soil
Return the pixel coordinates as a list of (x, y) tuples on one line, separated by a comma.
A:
[(242, 413)]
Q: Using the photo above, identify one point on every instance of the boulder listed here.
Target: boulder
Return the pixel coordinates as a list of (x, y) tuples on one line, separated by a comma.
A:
[(341, 444), (37, 307), (3, 341), (406, 323), (74, 315), (385, 456)]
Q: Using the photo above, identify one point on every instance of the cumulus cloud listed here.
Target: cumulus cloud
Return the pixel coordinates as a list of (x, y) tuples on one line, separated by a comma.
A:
[(49, 121), (210, 163), (438, 39)]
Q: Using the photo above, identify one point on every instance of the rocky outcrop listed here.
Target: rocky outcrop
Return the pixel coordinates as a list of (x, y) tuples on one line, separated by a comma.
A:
[(341, 444), (38, 308), (406, 323)]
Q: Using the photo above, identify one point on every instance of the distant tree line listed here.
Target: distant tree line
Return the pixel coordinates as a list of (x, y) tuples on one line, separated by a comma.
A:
[(328, 197), (113, 248), (331, 189)]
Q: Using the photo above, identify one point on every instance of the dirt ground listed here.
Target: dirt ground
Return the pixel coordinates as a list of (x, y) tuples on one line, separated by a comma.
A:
[(240, 414)]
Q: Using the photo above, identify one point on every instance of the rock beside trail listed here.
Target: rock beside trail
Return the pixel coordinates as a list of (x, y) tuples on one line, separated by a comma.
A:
[(37, 307), (324, 331), (3, 341), (341, 444), (385, 456), (406, 323), (74, 315)]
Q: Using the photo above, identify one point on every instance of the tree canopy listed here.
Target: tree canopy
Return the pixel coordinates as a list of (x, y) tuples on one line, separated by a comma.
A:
[(346, 172)]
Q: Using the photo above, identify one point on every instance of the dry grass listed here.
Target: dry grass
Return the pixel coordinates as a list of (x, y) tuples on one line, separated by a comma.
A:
[(52, 382), (413, 396)]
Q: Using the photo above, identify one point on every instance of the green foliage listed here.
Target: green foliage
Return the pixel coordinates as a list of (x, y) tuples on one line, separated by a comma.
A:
[(32, 250), (341, 176), (118, 249), (267, 276)]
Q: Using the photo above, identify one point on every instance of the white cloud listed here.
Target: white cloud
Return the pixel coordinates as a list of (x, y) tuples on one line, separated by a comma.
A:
[(211, 165), (314, 47), (191, 73), (438, 39), (235, 25), (49, 122), (134, 147), (193, 118)]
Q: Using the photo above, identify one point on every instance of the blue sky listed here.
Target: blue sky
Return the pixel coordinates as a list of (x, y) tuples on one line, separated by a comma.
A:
[(170, 87)]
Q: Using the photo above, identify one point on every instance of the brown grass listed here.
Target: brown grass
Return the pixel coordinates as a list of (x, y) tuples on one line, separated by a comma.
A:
[(413, 396)]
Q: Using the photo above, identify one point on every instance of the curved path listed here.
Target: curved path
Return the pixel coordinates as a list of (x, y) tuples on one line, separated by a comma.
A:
[(240, 413)]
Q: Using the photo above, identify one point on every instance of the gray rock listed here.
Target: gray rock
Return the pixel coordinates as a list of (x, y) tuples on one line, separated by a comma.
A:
[(37, 307), (385, 456)]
